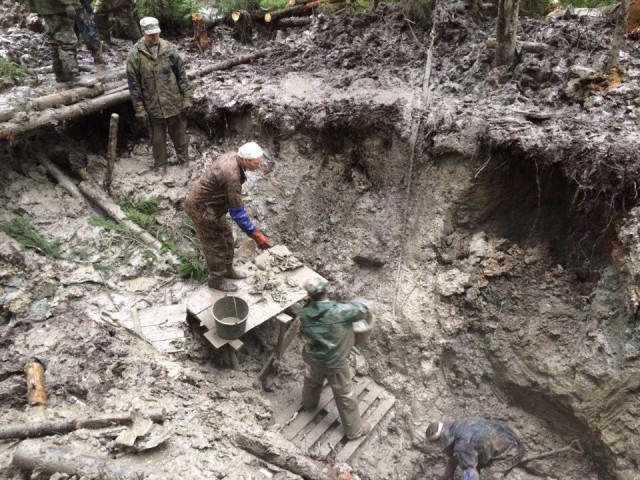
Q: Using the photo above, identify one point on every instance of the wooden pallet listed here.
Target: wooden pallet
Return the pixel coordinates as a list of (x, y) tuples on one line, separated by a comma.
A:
[(320, 432)]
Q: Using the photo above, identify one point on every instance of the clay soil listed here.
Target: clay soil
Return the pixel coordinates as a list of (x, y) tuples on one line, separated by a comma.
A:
[(488, 212)]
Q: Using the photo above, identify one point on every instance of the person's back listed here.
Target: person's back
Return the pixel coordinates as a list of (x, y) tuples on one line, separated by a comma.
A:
[(328, 330)]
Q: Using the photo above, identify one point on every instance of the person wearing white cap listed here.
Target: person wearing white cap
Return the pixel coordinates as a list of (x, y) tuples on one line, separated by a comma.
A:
[(218, 192), (472, 443), (160, 92)]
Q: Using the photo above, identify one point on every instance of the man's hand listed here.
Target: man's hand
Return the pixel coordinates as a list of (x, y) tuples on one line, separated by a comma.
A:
[(261, 240), (141, 125), (70, 11)]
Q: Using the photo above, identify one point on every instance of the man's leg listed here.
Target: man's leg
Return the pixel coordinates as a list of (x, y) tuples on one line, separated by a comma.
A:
[(126, 25), (86, 23), (313, 382), (62, 39), (158, 127), (103, 26), (178, 133), (216, 238), (346, 401)]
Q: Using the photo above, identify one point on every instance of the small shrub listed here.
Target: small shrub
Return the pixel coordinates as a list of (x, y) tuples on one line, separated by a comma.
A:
[(20, 229), (12, 71)]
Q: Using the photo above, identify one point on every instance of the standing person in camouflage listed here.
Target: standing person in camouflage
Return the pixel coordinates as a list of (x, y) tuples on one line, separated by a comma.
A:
[(88, 31), (472, 443), (59, 19), (160, 91), (327, 328), (117, 16), (218, 191)]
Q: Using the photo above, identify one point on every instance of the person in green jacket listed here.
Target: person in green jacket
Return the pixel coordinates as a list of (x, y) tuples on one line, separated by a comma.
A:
[(160, 91), (59, 21), (327, 328)]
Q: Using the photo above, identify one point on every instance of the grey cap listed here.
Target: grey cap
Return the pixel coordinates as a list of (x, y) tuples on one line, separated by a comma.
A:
[(150, 25), (316, 287)]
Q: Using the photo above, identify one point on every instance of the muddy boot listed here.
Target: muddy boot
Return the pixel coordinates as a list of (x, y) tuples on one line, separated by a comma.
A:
[(235, 274), (365, 429), (221, 283), (98, 57)]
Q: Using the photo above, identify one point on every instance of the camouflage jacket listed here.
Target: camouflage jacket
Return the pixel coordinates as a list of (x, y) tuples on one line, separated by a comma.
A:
[(327, 328), (109, 5), (158, 83), (51, 7), (218, 189), (472, 443)]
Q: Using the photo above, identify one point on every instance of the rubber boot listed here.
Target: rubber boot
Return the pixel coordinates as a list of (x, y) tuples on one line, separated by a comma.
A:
[(365, 429), (235, 274), (98, 57), (221, 283)]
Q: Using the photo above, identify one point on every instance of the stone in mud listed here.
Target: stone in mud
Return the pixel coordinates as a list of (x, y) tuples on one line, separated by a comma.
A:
[(368, 261), (452, 282)]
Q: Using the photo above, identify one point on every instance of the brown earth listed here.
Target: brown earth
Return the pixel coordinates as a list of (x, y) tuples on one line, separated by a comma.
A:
[(507, 243)]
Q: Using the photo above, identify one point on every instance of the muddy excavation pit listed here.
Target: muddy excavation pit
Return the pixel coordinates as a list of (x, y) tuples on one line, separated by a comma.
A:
[(497, 293)]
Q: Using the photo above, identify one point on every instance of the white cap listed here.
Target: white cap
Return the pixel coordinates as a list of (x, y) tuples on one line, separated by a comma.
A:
[(250, 151), (150, 25)]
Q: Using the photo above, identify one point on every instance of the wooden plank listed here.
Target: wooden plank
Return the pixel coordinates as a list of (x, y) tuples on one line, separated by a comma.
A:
[(199, 300), (378, 414), (170, 346), (305, 417), (324, 448), (236, 345), (284, 318), (288, 412), (170, 314), (325, 423), (155, 333)]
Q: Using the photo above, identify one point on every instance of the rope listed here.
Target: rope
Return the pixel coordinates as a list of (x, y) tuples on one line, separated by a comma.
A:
[(416, 115)]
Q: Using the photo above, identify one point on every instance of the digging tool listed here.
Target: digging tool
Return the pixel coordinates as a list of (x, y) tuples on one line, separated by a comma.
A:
[(574, 446), (111, 151)]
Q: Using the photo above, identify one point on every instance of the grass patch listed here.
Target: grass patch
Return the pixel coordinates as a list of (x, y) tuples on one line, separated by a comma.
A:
[(12, 71), (274, 4), (21, 230)]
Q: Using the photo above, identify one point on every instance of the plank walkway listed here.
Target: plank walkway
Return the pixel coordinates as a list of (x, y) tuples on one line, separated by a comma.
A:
[(319, 431)]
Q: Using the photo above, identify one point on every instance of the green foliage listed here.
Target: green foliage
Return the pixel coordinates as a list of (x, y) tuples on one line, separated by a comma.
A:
[(12, 71), (113, 227), (105, 270), (79, 253), (20, 229), (172, 14), (417, 11), (273, 4)]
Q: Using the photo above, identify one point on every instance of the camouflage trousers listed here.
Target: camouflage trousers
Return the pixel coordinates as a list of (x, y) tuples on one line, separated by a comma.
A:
[(119, 21), (61, 37), (216, 237), (177, 126), (86, 25), (344, 394)]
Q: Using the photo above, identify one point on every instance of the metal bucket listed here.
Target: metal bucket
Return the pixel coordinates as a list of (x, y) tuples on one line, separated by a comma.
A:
[(230, 314)]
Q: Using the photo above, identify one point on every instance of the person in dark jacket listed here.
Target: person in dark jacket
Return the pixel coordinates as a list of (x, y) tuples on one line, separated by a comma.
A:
[(160, 92), (327, 328), (88, 31), (218, 192), (472, 444)]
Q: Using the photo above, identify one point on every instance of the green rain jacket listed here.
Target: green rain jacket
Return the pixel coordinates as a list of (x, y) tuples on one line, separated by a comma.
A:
[(160, 84), (327, 327), (51, 7)]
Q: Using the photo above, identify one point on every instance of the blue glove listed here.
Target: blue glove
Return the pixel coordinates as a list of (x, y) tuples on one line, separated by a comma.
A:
[(239, 215)]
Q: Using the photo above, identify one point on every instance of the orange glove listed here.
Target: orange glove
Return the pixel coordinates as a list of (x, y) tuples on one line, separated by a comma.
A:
[(261, 240)]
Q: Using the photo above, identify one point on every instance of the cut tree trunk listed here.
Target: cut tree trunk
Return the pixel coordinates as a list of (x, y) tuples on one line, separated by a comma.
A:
[(228, 63), (295, 11), (618, 36), (35, 383), (67, 97), (60, 177), (506, 32), (47, 459), (245, 15), (57, 427), (285, 458), (293, 22)]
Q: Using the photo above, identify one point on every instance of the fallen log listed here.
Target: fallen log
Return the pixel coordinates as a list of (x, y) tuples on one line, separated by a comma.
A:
[(57, 427), (35, 383), (293, 22), (8, 131), (296, 10), (293, 3), (64, 181), (244, 15), (530, 47), (285, 458), (31, 456), (66, 97)]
